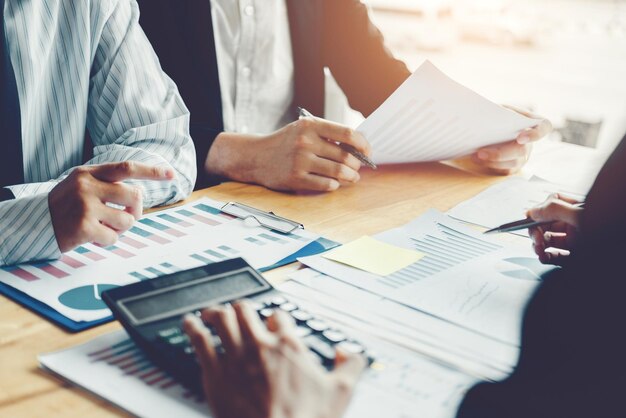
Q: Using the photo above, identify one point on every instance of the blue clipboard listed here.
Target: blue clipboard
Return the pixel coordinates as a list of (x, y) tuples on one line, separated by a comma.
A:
[(316, 247)]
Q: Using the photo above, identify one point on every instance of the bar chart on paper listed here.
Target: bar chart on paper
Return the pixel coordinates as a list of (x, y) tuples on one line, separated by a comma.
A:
[(464, 277), (162, 243)]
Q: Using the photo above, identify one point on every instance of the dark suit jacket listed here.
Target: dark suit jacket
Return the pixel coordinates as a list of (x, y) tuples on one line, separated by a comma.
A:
[(325, 33), (573, 359)]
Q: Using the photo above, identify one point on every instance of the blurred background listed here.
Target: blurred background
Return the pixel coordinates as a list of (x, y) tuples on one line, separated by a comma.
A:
[(563, 59)]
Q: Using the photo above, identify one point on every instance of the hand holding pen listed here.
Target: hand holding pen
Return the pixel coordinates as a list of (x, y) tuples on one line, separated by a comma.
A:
[(553, 227)]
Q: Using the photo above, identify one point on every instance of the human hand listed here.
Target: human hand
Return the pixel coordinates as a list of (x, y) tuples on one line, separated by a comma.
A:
[(302, 156), (78, 204), (509, 157), (267, 372), (554, 242)]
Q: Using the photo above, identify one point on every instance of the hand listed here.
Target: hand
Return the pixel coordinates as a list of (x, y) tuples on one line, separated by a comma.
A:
[(78, 203), (303, 156), (510, 157), (554, 242), (267, 372)]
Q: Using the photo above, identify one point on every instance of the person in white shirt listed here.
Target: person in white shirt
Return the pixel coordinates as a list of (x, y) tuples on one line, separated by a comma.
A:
[(71, 67), (244, 67)]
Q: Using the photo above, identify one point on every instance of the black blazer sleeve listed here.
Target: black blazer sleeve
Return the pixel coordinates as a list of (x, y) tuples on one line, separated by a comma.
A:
[(573, 357), (355, 52)]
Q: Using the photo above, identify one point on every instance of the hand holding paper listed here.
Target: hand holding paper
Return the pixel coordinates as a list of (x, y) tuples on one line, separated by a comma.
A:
[(433, 118)]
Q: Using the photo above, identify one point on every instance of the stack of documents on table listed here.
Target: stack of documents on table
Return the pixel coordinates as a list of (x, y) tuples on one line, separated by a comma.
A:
[(509, 200), (161, 243), (433, 118), (464, 278), (400, 384)]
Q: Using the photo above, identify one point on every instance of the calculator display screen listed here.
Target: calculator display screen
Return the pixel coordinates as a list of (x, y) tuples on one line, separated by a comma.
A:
[(191, 296)]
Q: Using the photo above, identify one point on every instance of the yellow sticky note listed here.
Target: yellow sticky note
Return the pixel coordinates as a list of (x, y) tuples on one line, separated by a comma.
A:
[(374, 256)]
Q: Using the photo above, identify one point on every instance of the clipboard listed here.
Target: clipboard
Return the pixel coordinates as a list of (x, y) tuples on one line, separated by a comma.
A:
[(267, 220)]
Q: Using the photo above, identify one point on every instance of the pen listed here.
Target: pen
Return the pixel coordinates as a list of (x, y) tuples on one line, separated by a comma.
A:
[(346, 147), (522, 224)]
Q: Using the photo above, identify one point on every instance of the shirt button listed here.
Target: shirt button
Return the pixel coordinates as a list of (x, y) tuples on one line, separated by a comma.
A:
[(249, 10), (246, 71)]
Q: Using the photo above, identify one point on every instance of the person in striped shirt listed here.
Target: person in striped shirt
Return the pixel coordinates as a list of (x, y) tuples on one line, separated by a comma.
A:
[(70, 67)]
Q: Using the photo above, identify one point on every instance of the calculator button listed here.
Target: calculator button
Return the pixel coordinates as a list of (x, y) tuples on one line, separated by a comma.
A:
[(317, 325), (189, 350), (266, 313), (289, 307), (351, 347), (257, 306), (178, 340), (334, 336), (302, 332), (169, 332), (321, 348), (301, 316), (279, 300)]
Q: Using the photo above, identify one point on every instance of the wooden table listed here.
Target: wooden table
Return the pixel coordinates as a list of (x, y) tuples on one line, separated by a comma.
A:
[(386, 198)]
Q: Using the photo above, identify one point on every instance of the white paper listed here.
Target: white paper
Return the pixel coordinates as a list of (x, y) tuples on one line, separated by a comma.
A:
[(112, 367), (465, 278), (199, 238), (508, 201), (433, 118), (479, 355)]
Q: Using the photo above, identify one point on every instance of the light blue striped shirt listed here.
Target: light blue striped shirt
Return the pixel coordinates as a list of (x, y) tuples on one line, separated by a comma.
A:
[(86, 64)]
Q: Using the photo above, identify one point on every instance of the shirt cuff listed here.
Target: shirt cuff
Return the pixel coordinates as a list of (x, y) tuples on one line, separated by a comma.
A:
[(26, 231)]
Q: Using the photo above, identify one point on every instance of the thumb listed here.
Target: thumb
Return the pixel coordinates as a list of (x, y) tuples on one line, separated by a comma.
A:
[(556, 210)]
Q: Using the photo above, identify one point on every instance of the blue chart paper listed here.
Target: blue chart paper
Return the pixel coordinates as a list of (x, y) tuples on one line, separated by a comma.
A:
[(67, 291)]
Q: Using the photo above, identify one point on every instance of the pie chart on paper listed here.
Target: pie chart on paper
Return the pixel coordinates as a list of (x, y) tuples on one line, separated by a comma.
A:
[(86, 298)]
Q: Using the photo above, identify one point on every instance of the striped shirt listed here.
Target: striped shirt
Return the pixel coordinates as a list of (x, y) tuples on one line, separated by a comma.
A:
[(86, 64)]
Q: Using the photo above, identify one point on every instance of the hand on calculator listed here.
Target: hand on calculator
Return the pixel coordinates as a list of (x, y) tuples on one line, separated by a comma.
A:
[(265, 370)]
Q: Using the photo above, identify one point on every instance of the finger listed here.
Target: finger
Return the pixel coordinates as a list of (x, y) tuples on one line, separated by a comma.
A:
[(114, 172), (556, 210), (349, 367), (565, 198), (556, 239), (253, 331), (333, 170), (116, 219), (333, 152), (224, 321), (505, 152), (543, 129), (103, 236), (131, 197), (337, 132), (202, 343), (315, 183), (285, 327)]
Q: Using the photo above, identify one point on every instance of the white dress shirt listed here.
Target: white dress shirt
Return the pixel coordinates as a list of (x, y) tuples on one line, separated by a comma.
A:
[(86, 64), (255, 64)]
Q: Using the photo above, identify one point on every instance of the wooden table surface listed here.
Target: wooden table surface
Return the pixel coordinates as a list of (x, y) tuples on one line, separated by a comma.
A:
[(383, 199)]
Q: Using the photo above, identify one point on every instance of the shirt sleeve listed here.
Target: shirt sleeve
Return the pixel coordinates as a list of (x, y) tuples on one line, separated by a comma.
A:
[(135, 113)]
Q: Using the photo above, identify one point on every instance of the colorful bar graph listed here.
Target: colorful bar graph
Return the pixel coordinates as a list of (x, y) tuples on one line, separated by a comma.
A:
[(72, 262), (175, 220), (132, 242), (213, 211), (51, 270), (120, 251), (149, 235), (272, 238), (21, 273), (89, 254), (161, 227), (199, 218)]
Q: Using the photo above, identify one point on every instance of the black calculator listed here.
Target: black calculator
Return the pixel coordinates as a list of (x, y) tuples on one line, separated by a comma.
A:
[(152, 311)]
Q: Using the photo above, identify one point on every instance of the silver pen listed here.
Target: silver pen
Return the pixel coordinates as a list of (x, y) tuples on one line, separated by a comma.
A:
[(346, 147)]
